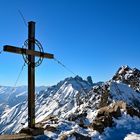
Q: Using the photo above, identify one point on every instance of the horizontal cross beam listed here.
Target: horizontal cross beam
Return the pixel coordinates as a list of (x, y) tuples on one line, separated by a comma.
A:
[(17, 50)]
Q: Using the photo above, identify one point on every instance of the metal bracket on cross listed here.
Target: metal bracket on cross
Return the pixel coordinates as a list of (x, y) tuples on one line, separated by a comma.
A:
[(25, 56)]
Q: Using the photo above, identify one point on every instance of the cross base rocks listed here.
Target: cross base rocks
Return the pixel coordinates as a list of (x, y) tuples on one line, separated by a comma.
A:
[(33, 131)]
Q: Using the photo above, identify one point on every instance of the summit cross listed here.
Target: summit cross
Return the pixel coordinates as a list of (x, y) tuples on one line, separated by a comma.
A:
[(31, 53)]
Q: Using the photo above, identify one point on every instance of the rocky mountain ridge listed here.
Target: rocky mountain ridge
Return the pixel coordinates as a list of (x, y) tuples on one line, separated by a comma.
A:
[(80, 109)]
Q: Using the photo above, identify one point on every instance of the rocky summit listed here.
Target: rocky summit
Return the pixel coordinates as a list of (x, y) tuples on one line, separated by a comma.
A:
[(78, 109), (129, 76)]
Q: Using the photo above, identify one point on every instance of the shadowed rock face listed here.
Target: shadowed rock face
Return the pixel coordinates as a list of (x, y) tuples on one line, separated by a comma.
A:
[(128, 76), (132, 112)]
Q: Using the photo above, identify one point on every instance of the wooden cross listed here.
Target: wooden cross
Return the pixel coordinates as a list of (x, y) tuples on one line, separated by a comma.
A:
[(31, 69)]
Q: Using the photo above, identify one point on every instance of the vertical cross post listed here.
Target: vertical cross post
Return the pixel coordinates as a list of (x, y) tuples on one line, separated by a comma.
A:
[(31, 54), (31, 76)]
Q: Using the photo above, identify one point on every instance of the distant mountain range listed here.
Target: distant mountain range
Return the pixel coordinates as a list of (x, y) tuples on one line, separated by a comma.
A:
[(78, 109)]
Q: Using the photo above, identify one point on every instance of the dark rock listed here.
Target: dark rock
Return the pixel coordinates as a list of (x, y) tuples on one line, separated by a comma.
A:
[(32, 131), (74, 117), (79, 119), (81, 137), (132, 112), (50, 128), (104, 96), (89, 79), (76, 135), (102, 122)]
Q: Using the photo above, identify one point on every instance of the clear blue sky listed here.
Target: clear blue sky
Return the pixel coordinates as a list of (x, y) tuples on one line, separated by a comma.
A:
[(92, 37)]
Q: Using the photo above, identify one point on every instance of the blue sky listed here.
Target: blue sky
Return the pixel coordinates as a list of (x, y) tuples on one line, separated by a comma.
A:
[(91, 37)]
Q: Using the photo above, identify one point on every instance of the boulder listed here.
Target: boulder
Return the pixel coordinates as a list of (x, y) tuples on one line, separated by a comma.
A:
[(75, 135), (112, 111), (102, 122), (105, 116), (79, 119), (50, 128)]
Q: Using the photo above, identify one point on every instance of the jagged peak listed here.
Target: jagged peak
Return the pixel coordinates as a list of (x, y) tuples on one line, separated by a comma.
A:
[(123, 68), (129, 76), (71, 79), (89, 80)]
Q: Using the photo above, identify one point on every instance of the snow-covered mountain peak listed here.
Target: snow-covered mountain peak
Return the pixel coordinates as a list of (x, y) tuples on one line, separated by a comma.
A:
[(76, 82)]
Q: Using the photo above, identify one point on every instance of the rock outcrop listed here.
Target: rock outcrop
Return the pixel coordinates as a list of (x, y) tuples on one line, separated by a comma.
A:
[(106, 114)]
